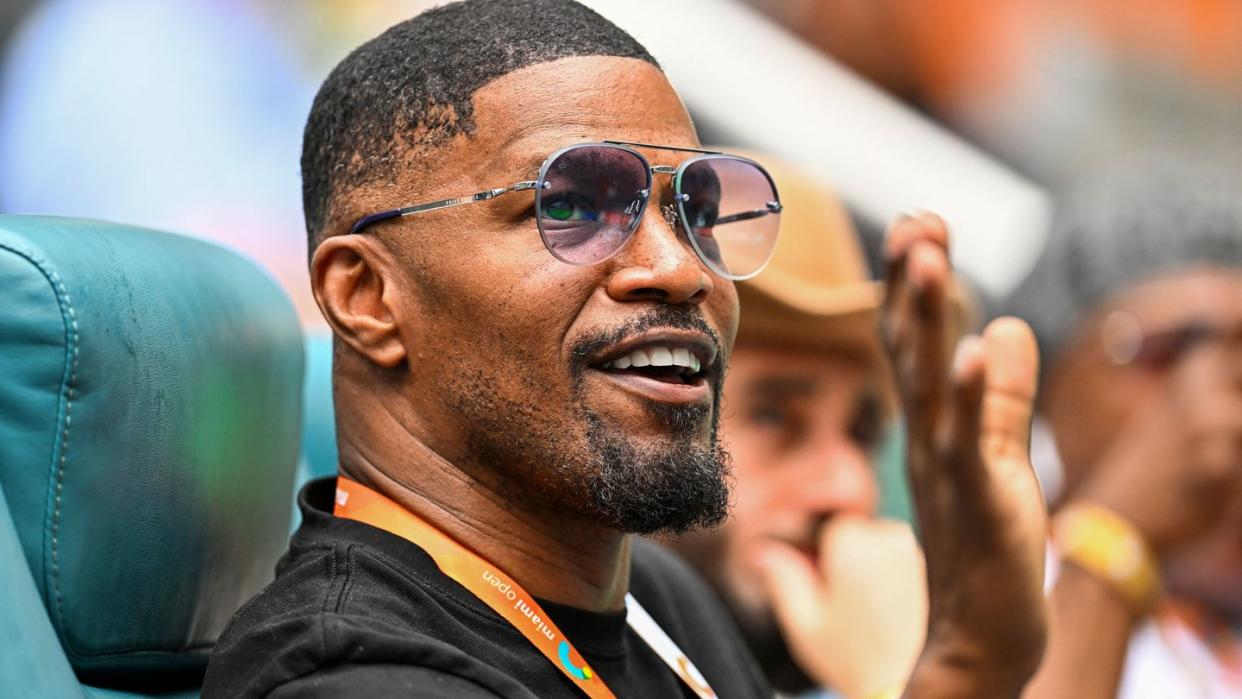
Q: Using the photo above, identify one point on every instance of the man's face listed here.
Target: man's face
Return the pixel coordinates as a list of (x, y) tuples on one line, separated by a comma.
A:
[(800, 425), (1098, 398), (507, 345)]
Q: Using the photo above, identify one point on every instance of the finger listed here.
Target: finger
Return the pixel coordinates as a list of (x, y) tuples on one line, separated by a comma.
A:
[(904, 234), (969, 384), (1012, 370), (908, 228), (855, 543), (793, 585), (836, 540), (896, 244), (925, 363)]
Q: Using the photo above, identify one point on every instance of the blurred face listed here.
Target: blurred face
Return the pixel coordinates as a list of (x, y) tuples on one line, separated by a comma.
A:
[(509, 349), (800, 426), (1092, 396)]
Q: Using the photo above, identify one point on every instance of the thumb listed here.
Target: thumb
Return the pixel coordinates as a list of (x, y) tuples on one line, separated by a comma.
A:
[(793, 585)]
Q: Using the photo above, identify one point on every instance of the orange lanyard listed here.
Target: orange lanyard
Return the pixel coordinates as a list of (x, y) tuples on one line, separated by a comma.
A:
[(505, 596)]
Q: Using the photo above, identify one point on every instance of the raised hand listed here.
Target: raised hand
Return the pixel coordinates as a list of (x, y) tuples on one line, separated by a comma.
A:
[(855, 617), (980, 512)]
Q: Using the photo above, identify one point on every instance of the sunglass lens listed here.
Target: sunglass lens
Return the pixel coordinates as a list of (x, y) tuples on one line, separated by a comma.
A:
[(589, 200), (732, 213)]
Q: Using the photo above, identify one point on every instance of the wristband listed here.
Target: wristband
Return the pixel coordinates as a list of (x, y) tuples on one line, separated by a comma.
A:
[(1102, 543)]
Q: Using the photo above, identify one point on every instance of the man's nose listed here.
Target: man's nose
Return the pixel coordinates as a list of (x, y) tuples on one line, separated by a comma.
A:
[(839, 480), (657, 264)]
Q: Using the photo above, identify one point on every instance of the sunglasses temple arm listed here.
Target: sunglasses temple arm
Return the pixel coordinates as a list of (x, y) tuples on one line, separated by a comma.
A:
[(441, 204), (748, 215)]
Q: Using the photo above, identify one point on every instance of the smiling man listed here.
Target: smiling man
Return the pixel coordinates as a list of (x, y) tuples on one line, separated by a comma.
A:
[(533, 311)]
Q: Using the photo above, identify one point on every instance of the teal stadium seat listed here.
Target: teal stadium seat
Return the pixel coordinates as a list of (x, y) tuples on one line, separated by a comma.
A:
[(150, 407), (318, 418)]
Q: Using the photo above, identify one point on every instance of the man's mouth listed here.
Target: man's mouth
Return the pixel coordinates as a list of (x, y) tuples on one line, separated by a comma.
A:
[(662, 363), (667, 366)]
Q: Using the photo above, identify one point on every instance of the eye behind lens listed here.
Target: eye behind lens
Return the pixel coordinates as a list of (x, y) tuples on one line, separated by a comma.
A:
[(732, 213), (591, 200)]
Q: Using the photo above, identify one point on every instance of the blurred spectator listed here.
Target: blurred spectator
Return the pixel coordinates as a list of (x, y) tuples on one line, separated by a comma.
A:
[(1137, 303), (807, 399)]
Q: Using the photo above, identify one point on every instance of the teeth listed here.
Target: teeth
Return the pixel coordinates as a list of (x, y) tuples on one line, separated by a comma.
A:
[(658, 356), (681, 357), (661, 356)]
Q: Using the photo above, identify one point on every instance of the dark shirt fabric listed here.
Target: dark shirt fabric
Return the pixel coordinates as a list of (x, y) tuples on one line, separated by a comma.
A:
[(358, 612)]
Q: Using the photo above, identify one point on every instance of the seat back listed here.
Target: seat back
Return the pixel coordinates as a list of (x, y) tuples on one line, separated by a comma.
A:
[(150, 402)]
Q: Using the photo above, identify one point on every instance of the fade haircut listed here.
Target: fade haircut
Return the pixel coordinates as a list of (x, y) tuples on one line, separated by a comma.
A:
[(400, 95)]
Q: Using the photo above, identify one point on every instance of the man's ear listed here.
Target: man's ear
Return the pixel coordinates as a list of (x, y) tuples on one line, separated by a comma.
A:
[(353, 284)]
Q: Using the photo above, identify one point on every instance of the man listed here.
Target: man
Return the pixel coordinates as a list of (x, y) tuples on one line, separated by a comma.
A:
[(1138, 305), (501, 428), (807, 399)]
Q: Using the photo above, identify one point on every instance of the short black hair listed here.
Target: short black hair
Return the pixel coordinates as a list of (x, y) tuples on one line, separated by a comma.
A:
[(410, 89)]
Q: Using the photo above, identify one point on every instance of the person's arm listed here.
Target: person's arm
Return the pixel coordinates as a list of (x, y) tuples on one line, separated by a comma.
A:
[(1168, 480), (1089, 630)]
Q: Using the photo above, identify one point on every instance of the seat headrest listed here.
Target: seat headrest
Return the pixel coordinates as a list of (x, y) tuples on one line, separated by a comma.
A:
[(319, 414), (150, 399)]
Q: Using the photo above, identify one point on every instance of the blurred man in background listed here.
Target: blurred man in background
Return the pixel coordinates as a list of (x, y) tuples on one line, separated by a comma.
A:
[(1137, 303), (807, 399)]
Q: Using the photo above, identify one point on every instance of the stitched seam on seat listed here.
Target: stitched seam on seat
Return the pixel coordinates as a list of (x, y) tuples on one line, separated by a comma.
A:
[(69, 379)]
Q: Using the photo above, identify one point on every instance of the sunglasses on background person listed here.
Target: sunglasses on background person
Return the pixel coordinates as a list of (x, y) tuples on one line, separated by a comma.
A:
[(590, 197), (1127, 343)]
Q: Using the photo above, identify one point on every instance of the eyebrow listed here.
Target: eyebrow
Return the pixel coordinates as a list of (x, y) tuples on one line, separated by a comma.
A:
[(532, 164), (775, 387)]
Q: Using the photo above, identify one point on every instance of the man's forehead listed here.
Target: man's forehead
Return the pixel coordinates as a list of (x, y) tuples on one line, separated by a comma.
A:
[(524, 116)]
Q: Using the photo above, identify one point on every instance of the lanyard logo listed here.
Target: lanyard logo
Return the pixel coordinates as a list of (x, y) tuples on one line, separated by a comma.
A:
[(582, 673)]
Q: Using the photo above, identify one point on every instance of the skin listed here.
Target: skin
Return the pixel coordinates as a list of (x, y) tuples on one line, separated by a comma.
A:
[(1162, 447), (407, 303)]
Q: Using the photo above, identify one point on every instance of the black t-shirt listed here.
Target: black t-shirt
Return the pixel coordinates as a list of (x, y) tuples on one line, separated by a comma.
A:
[(356, 611)]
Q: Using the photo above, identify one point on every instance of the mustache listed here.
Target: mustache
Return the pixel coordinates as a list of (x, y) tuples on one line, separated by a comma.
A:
[(676, 317)]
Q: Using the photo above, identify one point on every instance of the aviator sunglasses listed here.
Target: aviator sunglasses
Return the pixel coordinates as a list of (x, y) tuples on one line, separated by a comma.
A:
[(590, 197)]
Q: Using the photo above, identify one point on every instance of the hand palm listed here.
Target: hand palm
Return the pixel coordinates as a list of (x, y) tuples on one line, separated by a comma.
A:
[(979, 508)]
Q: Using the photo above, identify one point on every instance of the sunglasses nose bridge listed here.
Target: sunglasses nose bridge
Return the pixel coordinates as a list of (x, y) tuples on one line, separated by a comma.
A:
[(671, 171)]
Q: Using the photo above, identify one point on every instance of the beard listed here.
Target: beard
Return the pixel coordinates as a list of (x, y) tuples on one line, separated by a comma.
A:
[(644, 490), (576, 463)]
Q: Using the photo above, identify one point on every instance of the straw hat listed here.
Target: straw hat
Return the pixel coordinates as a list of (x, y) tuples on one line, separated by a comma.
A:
[(815, 293)]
